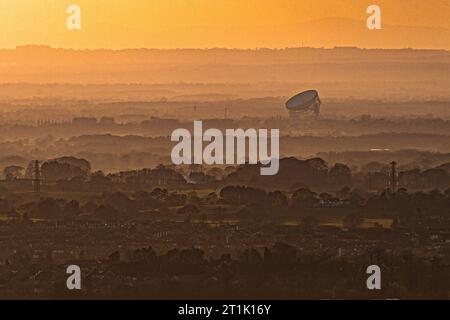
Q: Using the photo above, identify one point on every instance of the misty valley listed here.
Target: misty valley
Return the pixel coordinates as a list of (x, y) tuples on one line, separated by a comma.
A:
[(120, 164)]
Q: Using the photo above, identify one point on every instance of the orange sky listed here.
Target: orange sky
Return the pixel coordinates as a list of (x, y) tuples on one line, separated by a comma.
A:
[(224, 23)]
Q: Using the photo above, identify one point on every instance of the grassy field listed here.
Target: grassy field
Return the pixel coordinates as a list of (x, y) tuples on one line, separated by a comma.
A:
[(337, 222)]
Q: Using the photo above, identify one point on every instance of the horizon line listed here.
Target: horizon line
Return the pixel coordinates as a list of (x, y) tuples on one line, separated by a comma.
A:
[(222, 48)]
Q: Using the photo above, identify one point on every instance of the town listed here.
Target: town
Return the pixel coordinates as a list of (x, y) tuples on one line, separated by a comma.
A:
[(145, 232)]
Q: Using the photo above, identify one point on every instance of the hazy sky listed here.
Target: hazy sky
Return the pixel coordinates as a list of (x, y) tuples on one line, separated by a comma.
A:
[(219, 23)]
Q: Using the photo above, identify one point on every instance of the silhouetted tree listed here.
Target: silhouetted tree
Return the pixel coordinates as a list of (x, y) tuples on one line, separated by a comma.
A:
[(277, 199), (13, 172), (188, 209), (304, 198), (341, 175)]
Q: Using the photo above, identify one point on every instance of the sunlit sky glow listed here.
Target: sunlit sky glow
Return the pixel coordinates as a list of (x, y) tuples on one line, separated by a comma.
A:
[(204, 23)]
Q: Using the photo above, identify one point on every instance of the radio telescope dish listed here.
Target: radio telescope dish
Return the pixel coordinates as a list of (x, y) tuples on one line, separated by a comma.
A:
[(306, 103)]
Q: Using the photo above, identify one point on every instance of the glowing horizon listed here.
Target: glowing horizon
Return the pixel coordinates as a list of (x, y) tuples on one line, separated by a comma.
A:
[(224, 23)]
